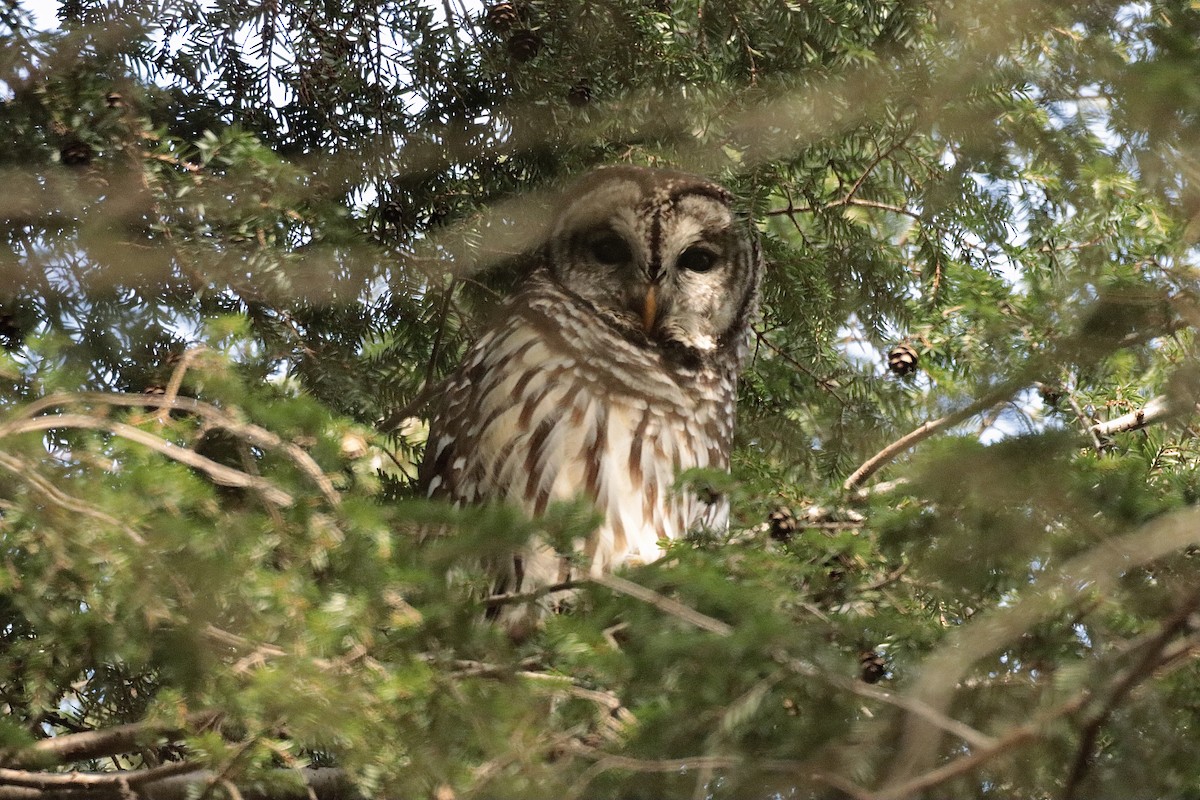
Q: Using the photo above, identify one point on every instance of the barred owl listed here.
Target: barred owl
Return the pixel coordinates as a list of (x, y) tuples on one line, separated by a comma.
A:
[(611, 370)]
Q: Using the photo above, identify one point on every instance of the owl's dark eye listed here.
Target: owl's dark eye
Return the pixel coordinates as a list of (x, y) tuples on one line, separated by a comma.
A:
[(697, 259), (610, 249)]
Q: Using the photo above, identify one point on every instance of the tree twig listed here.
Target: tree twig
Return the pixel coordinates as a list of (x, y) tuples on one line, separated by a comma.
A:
[(1015, 738), (1097, 442), (218, 472), (177, 781), (89, 745), (508, 598), (76, 781), (254, 434), (176, 381), (1150, 655), (606, 762), (1094, 571), (663, 603), (28, 473), (872, 465), (1156, 410), (1153, 653), (976, 739)]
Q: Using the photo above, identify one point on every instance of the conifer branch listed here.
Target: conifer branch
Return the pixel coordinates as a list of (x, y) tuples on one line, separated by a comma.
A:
[(927, 429), (252, 434), (1093, 571), (219, 473), (662, 603), (27, 472), (174, 781), (1149, 658), (116, 740), (176, 381), (606, 762), (1156, 410)]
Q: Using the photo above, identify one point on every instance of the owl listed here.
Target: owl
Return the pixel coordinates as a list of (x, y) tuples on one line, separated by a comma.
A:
[(611, 369)]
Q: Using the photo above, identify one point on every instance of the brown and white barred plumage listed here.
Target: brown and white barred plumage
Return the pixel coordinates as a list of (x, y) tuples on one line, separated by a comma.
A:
[(611, 370)]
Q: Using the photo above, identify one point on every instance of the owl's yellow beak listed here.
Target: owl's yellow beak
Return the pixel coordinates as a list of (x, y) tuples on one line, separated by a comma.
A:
[(650, 310)]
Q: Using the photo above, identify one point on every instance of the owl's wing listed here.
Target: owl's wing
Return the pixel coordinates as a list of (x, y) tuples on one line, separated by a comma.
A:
[(454, 466), (449, 445)]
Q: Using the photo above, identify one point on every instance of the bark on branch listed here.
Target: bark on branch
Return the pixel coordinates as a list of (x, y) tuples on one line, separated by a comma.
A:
[(880, 459), (253, 434), (101, 743), (1157, 410), (1095, 570), (219, 473), (176, 781)]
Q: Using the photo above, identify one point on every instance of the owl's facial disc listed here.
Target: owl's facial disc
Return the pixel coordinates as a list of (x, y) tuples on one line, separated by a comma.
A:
[(666, 275), (614, 267), (661, 257)]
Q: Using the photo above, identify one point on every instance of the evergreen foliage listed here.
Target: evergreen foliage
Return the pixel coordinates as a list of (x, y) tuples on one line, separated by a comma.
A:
[(241, 242)]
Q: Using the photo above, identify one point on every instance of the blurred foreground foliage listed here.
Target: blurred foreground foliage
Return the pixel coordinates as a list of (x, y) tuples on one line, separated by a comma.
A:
[(242, 241)]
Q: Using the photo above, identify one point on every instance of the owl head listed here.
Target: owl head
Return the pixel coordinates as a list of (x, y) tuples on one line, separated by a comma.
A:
[(661, 257)]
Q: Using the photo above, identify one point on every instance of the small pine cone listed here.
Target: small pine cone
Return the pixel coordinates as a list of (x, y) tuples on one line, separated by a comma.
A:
[(783, 524), (155, 390), (1051, 394), (440, 212), (76, 154), (11, 335), (580, 94), (394, 213), (524, 45), (902, 359), (114, 100), (502, 16), (873, 666)]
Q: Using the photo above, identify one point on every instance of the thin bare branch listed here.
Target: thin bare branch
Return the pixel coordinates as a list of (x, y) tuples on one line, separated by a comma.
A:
[(912, 705), (1094, 571), (663, 603), (607, 762), (218, 472), (253, 434), (1156, 410), (1097, 442), (873, 464), (177, 381), (509, 598), (1156, 651), (100, 743), (177, 781), (1149, 656), (28, 473), (78, 781), (864, 493), (1014, 739)]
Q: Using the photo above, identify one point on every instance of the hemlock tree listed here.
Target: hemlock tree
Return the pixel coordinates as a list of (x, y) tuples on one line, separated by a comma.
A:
[(242, 243)]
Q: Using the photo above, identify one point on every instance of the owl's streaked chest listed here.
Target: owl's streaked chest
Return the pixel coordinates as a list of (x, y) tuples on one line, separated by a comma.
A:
[(537, 417)]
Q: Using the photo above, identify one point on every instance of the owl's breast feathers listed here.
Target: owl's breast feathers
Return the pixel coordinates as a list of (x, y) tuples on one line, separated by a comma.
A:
[(553, 404)]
